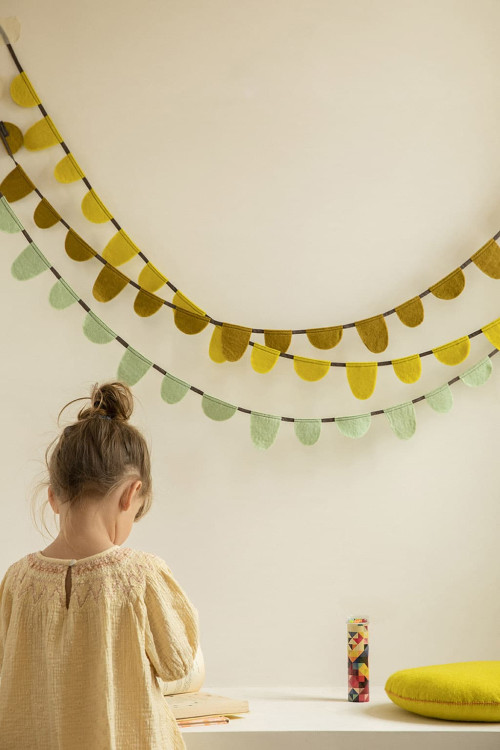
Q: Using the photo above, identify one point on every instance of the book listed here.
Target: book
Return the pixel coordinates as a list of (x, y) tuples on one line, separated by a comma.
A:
[(189, 705), (192, 682), (203, 721), (187, 702)]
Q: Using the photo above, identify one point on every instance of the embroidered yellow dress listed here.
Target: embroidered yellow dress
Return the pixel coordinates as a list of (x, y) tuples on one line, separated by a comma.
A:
[(81, 645)]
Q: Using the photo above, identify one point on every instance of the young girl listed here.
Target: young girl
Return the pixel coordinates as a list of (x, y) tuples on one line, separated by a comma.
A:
[(87, 626)]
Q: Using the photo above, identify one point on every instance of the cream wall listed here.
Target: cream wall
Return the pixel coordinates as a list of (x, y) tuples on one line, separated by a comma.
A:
[(286, 164)]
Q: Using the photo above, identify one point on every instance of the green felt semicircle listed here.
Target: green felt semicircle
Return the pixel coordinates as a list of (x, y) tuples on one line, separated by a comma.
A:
[(478, 374), (216, 409), (29, 263), (402, 419), (96, 330), (62, 295), (440, 399), (307, 430), (263, 429), (8, 220), (173, 389), (354, 427), (133, 366)]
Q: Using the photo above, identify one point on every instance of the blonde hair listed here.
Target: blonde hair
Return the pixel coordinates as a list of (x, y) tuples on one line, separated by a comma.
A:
[(95, 454)]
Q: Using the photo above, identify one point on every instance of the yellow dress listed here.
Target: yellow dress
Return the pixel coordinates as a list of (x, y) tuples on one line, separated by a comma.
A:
[(81, 645)]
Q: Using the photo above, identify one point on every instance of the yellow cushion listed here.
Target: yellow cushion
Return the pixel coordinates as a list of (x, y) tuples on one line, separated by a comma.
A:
[(465, 691)]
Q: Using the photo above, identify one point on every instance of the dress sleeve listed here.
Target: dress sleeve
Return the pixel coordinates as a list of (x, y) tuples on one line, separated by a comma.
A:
[(5, 611), (172, 624)]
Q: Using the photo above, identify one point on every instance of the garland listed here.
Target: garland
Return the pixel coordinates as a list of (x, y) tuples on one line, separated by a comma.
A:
[(120, 249), (229, 343), (263, 427)]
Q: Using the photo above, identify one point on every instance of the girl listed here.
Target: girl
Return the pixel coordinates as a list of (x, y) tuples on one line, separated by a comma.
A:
[(87, 626)]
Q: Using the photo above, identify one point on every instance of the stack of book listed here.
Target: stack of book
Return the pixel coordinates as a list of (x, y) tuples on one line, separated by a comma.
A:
[(194, 708)]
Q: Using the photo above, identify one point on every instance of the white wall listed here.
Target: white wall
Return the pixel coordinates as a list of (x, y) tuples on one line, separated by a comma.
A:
[(286, 164)]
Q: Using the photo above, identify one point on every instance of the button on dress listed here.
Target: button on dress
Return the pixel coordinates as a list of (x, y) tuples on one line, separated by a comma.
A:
[(82, 644)]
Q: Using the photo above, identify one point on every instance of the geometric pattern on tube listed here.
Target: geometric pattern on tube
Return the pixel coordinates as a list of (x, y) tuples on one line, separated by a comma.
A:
[(357, 660)]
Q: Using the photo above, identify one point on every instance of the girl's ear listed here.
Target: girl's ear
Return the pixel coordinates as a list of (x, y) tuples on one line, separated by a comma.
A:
[(52, 499), (129, 493)]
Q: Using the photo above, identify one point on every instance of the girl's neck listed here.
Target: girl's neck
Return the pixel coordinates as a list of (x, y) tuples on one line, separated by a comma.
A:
[(63, 551)]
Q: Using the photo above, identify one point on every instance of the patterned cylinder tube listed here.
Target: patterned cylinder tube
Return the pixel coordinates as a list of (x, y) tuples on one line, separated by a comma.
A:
[(358, 690)]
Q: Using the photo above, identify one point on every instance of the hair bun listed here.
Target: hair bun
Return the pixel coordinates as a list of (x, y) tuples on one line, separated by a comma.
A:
[(113, 400)]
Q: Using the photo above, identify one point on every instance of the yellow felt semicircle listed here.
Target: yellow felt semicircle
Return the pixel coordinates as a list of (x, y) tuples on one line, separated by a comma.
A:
[(276, 339), (16, 185), (151, 279), (94, 209), (263, 358), (68, 170), (120, 249), (454, 352), (109, 283), (362, 377), (45, 215), (146, 303), (234, 341), (43, 134), (408, 369), (411, 313), (310, 369), (77, 248), (22, 92), (487, 259), (492, 333), (215, 348), (325, 338), (373, 333), (15, 137), (193, 320), (449, 287)]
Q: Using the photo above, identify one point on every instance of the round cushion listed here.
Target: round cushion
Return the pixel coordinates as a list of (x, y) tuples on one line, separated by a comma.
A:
[(465, 691)]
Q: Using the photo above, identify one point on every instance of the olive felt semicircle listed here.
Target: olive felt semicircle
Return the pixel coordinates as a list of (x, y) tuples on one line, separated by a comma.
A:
[(193, 320), (411, 313), (487, 259), (325, 338), (449, 287), (373, 333)]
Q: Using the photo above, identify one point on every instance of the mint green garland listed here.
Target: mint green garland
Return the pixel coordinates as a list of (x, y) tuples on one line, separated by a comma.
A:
[(263, 427)]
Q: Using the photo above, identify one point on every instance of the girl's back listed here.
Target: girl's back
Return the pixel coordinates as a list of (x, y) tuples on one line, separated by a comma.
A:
[(82, 642)]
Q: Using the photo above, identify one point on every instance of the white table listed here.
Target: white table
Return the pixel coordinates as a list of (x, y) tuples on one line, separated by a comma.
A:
[(319, 718)]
